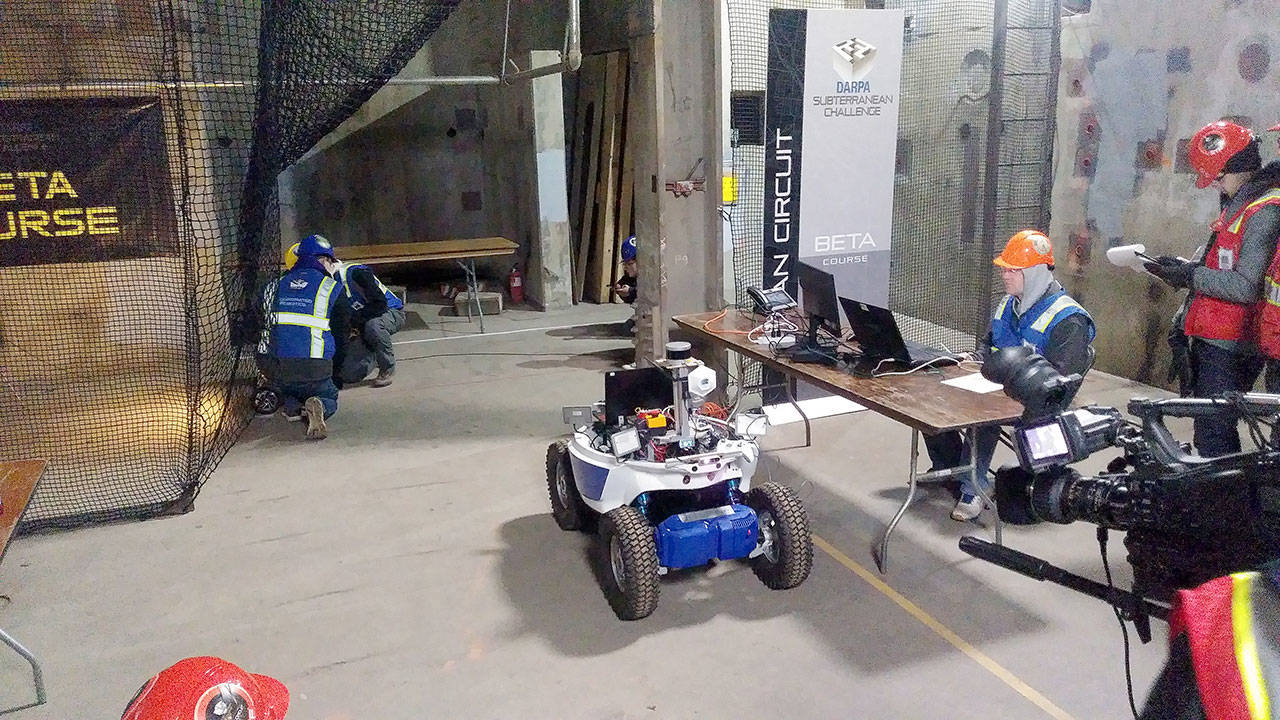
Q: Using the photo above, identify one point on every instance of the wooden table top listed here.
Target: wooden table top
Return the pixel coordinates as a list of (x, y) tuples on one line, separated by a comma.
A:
[(918, 400), (430, 250), (18, 480)]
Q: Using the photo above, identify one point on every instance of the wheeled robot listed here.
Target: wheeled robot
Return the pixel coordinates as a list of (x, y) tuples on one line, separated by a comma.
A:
[(665, 479), (266, 399)]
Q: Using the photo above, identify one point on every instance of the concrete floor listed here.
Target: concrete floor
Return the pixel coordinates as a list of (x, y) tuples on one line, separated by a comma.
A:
[(408, 567)]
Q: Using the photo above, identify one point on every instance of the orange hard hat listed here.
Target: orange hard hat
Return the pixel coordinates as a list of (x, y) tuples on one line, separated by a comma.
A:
[(1026, 248), (1212, 146)]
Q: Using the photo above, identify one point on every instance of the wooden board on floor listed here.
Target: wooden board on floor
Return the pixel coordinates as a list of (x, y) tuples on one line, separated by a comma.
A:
[(590, 104), (626, 199), (600, 268)]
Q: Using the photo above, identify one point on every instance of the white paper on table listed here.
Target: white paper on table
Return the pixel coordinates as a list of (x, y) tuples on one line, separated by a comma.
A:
[(974, 383), (813, 408)]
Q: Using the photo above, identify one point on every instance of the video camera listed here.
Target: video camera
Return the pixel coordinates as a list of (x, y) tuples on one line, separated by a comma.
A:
[(1188, 519)]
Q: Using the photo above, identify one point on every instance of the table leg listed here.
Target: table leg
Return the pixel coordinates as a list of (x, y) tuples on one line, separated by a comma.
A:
[(35, 670), (971, 436), (808, 437), (473, 287), (882, 561)]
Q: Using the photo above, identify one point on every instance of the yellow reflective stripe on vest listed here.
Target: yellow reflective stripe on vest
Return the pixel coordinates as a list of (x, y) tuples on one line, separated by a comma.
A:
[(1272, 196), (1000, 308), (1046, 317), (321, 308), (1273, 292), (1255, 688), (311, 321)]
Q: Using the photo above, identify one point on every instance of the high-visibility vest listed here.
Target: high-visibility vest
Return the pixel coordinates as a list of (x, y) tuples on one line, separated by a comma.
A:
[(357, 295), (1232, 626), (299, 304), (1214, 318), (1033, 326), (1269, 305)]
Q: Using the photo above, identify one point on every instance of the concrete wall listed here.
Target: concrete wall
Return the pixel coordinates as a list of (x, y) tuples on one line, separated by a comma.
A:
[(1138, 78), (450, 161)]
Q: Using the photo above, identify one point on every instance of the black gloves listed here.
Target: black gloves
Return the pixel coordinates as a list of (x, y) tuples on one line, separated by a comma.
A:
[(1174, 272)]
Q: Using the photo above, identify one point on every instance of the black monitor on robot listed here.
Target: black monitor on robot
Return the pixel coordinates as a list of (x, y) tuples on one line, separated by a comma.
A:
[(818, 300)]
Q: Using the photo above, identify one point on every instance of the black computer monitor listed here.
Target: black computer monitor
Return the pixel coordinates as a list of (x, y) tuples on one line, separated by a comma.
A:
[(625, 390), (818, 299)]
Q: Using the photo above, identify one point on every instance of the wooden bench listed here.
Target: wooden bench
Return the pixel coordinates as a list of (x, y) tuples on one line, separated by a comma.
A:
[(463, 251), (18, 479)]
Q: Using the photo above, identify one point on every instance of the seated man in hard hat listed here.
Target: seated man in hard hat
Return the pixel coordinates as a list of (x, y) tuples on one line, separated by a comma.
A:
[(307, 312), (625, 288), (1036, 311)]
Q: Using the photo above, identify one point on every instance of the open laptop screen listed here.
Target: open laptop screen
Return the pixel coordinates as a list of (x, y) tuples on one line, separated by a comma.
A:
[(876, 331)]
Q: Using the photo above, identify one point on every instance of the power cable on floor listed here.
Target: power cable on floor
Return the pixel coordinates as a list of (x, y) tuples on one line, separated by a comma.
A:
[(1124, 629)]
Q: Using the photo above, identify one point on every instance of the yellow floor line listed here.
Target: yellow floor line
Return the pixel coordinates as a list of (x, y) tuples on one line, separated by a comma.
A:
[(946, 633)]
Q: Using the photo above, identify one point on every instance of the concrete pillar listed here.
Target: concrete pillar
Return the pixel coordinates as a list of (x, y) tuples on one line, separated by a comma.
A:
[(549, 275), (676, 79)]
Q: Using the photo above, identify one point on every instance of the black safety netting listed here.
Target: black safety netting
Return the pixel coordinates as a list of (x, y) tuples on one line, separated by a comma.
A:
[(139, 148), (968, 66)]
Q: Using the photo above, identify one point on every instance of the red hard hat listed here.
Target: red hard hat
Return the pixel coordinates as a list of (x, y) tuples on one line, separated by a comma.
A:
[(1212, 146), (208, 688), (1274, 128)]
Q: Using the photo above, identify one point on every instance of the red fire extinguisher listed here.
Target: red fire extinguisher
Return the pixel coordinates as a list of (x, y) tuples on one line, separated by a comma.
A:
[(515, 285)]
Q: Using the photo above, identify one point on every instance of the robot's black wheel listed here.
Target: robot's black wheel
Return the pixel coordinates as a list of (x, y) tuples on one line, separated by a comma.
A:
[(629, 559), (265, 401), (567, 507), (784, 525)]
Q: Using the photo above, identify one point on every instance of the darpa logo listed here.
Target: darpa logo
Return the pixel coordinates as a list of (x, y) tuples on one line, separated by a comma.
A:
[(853, 59), (298, 284)]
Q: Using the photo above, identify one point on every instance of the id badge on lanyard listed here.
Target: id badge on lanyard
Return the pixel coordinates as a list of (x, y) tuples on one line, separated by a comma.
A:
[(1226, 259)]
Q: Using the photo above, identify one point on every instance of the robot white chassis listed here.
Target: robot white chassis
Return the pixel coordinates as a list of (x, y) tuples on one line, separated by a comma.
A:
[(682, 499)]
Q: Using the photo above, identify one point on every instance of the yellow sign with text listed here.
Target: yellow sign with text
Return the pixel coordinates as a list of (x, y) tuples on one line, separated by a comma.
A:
[(23, 186)]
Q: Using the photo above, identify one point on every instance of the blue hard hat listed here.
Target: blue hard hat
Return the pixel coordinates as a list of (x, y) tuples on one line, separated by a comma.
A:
[(629, 249), (316, 245)]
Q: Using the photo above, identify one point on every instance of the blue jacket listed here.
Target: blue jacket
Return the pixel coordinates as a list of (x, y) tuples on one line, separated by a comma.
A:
[(305, 309), (356, 293), (1033, 326)]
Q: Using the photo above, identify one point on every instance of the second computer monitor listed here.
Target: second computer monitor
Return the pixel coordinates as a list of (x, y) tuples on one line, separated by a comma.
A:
[(818, 296)]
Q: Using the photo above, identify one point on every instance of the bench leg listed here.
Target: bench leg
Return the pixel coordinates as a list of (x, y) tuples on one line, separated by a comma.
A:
[(35, 670)]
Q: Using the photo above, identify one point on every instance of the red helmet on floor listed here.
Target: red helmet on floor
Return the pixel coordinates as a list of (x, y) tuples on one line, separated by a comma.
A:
[(1212, 146), (208, 688)]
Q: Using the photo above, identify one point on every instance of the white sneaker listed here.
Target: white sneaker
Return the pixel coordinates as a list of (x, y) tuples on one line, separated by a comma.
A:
[(968, 508)]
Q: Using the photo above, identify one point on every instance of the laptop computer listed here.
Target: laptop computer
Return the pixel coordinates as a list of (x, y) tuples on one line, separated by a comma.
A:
[(878, 336)]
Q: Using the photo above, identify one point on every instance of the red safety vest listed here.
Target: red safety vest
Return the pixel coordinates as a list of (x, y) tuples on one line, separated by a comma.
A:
[(1213, 318), (1269, 305), (1232, 624)]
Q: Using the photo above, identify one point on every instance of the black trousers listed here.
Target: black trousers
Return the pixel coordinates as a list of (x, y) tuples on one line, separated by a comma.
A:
[(1218, 371)]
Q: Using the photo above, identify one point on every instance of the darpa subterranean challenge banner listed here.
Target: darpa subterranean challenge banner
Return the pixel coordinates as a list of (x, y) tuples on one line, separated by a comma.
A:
[(83, 180), (831, 124)]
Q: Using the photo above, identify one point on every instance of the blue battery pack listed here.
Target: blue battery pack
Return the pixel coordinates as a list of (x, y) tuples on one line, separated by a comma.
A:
[(695, 538)]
